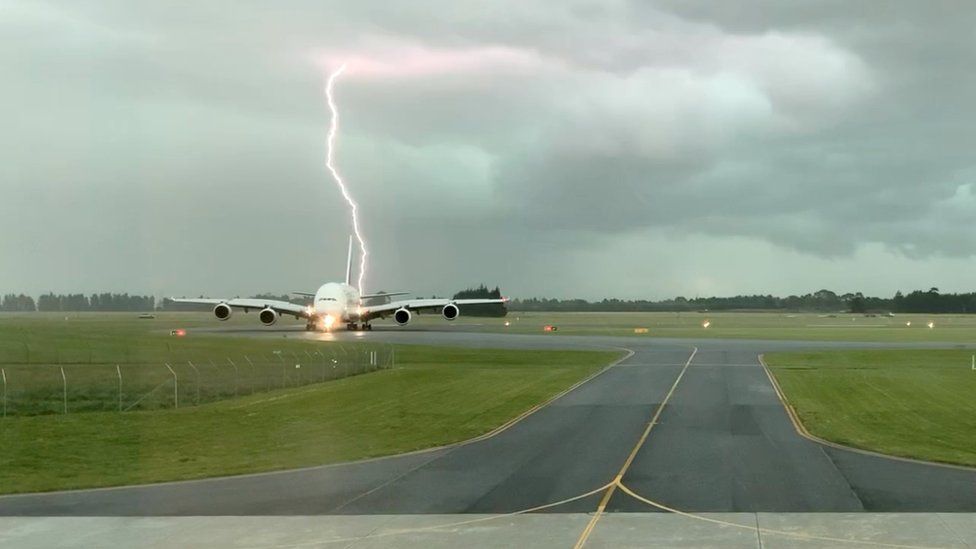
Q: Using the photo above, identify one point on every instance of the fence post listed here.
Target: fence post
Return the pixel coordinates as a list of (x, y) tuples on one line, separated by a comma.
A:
[(299, 372), (253, 372), (197, 372), (118, 370), (237, 375), (176, 387), (4, 374), (323, 365), (64, 385), (282, 359), (311, 363)]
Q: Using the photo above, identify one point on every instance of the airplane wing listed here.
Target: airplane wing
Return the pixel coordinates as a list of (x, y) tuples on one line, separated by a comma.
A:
[(390, 294), (420, 304), (282, 307)]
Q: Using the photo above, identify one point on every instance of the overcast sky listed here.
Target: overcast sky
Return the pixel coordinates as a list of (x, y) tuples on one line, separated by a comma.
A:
[(560, 148)]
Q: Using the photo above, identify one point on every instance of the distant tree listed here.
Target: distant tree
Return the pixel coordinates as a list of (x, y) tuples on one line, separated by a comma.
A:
[(857, 304), (488, 309), (49, 302), (17, 303)]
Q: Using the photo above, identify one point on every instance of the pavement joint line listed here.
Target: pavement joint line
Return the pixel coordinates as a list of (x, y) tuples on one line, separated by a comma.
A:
[(382, 485), (952, 530), (494, 432), (617, 481), (435, 527), (767, 531), (802, 431)]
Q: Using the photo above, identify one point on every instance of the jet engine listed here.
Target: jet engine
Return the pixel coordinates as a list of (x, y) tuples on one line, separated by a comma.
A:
[(450, 311), (401, 316), (222, 311), (268, 316)]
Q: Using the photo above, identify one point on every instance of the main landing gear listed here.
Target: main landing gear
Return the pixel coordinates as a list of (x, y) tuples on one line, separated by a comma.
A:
[(364, 327)]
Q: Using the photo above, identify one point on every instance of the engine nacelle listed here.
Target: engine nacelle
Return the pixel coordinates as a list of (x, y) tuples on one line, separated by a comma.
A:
[(222, 311), (450, 311), (268, 316), (402, 316)]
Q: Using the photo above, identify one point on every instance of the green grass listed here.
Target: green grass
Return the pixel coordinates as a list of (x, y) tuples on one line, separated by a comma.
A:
[(910, 403), (433, 396), (782, 326)]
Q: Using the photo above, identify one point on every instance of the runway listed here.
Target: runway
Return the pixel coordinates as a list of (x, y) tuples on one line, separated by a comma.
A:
[(721, 444)]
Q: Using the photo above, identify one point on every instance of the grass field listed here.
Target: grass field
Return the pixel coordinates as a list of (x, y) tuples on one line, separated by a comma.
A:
[(101, 362), (795, 326), (910, 403), (433, 396)]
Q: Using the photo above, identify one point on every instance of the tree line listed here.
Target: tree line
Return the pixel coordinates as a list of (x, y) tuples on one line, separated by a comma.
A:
[(918, 301), (487, 309), (95, 302), (77, 302)]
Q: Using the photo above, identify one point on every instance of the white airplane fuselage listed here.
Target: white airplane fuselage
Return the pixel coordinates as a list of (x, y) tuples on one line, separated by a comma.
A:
[(336, 303)]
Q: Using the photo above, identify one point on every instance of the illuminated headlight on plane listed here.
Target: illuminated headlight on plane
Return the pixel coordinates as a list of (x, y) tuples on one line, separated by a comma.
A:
[(329, 320)]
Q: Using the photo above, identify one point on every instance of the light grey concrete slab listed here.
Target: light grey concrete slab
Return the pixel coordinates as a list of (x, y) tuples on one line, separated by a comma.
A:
[(815, 530), (189, 532), (963, 525), (667, 530), (491, 531), (807, 530)]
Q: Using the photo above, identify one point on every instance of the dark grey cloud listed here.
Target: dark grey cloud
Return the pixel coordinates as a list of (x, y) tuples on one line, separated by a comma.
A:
[(162, 148)]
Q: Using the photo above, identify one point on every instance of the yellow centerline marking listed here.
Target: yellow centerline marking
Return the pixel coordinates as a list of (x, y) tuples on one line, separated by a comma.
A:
[(766, 531), (630, 459)]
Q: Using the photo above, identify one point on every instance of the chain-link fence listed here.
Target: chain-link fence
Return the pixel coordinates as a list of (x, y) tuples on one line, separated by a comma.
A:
[(35, 389)]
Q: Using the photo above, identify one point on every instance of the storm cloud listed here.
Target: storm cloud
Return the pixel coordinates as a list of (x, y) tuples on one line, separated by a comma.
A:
[(629, 149)]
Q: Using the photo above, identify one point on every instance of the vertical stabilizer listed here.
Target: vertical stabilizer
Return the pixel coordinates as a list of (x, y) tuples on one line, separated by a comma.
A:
[(349, 263)]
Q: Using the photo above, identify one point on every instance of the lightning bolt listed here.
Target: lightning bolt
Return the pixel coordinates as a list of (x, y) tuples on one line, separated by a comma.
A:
[(330, 164)]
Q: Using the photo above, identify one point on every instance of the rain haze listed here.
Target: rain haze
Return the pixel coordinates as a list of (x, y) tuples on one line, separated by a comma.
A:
[(559, 149)]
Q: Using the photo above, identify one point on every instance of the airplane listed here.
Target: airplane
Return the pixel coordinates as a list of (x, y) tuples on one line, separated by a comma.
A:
[(335, 303)]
